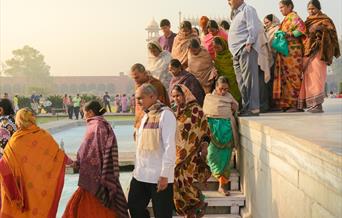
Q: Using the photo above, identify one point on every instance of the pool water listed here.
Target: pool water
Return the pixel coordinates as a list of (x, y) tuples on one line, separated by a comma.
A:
[(72, 139)]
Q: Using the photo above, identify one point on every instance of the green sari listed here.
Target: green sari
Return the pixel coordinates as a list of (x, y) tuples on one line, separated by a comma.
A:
[(224, 65), (220, 147)]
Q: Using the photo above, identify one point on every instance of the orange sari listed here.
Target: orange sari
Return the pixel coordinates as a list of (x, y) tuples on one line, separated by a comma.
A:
[(85, 205), (31, 175)]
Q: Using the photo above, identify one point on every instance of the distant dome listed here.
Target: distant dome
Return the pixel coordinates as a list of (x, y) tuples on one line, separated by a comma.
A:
[(153, 24)]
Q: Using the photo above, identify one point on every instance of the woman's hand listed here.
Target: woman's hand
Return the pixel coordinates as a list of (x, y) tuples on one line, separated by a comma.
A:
[(204, 149), (234, 107)]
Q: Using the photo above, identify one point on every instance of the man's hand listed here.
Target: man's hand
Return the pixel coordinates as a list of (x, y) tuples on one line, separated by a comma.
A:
[(248, 47), (162, 184)]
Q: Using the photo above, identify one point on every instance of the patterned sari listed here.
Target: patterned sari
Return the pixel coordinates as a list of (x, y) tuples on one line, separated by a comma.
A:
[(7, 129), (289, 70), (193, 131), (31, 174), (320, 47)]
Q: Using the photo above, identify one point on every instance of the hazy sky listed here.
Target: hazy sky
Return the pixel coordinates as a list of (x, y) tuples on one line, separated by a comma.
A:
[(104, 37)]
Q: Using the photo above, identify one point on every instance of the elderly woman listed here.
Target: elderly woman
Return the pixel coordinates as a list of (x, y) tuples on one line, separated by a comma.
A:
[(201, 65), (191, 146), (289, 69), (180, 47), (214, 30), (181, 76), (31, 171), (158, 63), (219, 108), (271, 23), (224, 65), (7, 124), (320, 47), (99, 193)]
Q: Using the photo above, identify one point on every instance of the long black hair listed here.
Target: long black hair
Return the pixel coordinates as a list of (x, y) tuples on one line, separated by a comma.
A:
[(96, 107), (6, 105)]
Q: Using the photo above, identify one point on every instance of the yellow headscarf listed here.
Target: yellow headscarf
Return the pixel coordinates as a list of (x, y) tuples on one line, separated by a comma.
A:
[(25, 118)]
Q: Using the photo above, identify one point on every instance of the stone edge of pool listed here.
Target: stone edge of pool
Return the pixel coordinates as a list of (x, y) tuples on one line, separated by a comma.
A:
[(125, 158)]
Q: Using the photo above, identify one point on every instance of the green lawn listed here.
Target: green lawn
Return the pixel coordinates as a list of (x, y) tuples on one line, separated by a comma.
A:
[(41, 120), (121, 118)]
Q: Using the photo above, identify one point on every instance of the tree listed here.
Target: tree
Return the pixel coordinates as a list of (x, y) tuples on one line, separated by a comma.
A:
[(29, 63)]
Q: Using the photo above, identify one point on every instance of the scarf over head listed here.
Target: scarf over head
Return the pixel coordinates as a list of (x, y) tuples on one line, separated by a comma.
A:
[(202, 67), (321, 38), (180, 47), (159, 66), (216, 106), (98, 162)]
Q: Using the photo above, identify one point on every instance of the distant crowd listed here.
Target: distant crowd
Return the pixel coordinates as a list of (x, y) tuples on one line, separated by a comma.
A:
[(72, 105)]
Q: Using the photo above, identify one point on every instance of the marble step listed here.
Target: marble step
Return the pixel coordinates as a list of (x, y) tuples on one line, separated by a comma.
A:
[(212, 183), (219, 204)]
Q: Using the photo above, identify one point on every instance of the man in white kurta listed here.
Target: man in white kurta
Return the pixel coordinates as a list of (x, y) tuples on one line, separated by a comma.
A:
[(153, 174)]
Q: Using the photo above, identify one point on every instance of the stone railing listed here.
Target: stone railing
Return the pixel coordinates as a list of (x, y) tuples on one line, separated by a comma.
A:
[(285, 175)]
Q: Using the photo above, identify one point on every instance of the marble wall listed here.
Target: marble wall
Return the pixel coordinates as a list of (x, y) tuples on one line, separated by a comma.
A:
[(284, 176)]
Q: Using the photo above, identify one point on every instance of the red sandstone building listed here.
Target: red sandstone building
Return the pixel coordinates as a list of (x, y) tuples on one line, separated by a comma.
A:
[(74, 84)]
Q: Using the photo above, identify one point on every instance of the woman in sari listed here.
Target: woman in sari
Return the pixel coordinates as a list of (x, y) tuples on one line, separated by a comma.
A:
[(289, 69), (180, 48), (320, 47), (99, 193), (203, 24), (181, 76), (224, 65), (124, 103), (214, 31), (158, 63), (191, 146), (132, 103), (31, 171), (219, 108), (7, 124), (201, 65), (271, 23)]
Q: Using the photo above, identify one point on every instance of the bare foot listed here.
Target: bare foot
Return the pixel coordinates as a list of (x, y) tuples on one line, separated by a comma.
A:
[(223, 191)]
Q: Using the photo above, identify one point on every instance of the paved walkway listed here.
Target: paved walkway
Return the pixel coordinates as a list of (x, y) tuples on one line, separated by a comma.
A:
[(323, 130)]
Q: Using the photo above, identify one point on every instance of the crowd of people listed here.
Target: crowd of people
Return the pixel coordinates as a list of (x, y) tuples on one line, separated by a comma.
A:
[(186, 102)]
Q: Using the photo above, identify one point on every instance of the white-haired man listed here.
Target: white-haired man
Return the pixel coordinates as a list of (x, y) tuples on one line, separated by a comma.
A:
[(153, 173)]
